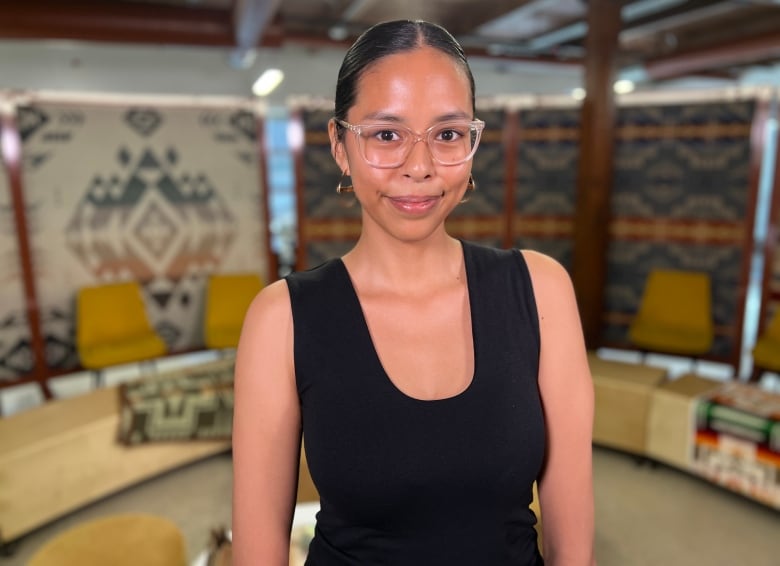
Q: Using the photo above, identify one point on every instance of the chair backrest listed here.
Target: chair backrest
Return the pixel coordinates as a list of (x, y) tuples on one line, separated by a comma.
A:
[(678, 298), (110, 312), (773, 328), (228, 297)]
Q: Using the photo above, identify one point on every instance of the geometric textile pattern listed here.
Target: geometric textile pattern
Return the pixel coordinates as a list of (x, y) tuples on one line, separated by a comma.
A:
[(547, 156), (680, 200), (15, 338), (163, 196), (330, 222), (482, 217), (143, 120), (195, 403)]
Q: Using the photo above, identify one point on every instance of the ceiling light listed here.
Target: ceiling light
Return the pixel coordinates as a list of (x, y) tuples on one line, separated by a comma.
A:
[(623, 86), (578, 93), (267, 82), (338, 32)]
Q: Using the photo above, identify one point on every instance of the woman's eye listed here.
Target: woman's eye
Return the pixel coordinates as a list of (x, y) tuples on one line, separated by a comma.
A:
[(381, 135), (448, 135)]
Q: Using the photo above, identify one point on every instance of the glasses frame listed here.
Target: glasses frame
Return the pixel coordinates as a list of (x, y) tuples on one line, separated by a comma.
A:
[(477, 125)]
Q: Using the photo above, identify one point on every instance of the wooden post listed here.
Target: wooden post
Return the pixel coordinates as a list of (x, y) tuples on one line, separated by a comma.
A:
[(511, 125), (11, 152), (595, 171)]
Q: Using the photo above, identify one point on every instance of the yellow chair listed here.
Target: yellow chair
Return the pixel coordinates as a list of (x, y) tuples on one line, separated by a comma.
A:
[(675, 315), (766, 353), (536, 508), (112, 326), (120, 540), (227, 299)]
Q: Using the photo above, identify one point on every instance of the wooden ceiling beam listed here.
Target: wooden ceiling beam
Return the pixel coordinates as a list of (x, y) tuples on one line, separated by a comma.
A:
[(740, 52), (132, 22)]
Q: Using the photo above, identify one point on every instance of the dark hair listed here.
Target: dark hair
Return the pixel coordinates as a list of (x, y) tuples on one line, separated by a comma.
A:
[(390, 38)]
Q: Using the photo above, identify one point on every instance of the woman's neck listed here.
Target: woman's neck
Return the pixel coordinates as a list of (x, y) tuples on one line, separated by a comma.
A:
[(377, 264)]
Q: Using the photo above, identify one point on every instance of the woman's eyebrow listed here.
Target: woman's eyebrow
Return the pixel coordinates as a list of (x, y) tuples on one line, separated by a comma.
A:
[(453, 116), (392, 118), (382, 117)]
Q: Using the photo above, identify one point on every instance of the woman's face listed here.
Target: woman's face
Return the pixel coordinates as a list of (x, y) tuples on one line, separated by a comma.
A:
[(416, 89)]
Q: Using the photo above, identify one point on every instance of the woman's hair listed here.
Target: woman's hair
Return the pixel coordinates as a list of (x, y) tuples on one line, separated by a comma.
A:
[(390, 38)]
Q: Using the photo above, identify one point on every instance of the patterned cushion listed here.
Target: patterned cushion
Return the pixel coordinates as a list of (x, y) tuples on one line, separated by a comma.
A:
[(194, 403)]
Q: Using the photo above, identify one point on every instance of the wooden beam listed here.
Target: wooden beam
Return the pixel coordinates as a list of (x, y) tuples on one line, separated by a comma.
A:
[(510, 140), (11, 153), (742, 52), (594, 175), (116, 21)]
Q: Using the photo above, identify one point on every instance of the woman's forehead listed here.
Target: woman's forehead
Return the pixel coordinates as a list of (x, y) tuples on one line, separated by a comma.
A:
[(414, 81)]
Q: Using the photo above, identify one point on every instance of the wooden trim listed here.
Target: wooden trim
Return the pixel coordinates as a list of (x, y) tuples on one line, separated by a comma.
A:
[(740, 52), (11, 150), (116, 21)]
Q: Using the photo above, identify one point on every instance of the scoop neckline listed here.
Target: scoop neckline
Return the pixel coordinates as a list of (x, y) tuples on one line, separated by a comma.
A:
[(375, 354)]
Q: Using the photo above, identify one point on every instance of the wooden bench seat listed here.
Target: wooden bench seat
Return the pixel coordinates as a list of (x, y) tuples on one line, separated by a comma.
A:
[(63, 455), (623, 393)]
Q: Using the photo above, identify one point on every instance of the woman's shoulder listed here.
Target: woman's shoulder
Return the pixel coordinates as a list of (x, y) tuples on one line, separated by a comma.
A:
[(543, 265), (271, 304), (549, 277)]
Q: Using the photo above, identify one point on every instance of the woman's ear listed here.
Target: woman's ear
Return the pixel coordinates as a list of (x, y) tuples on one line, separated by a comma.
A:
[(337, 148)]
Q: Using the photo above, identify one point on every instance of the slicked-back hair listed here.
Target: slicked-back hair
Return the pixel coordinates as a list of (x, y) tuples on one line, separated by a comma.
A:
[(391, 38)]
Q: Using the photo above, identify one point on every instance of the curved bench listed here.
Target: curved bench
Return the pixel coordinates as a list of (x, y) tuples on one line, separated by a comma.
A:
[(62, 455)]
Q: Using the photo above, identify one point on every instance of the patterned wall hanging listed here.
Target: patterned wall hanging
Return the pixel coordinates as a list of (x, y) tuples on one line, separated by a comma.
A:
[(680, 200), (546, 154), (157, 194), (482, 218), (328, 222)]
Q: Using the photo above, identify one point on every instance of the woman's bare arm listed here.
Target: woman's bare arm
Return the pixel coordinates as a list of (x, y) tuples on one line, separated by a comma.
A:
[(566, 386), (266, 432)]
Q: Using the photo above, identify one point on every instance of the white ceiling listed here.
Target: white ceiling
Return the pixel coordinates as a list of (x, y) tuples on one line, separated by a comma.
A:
[(148, 69)]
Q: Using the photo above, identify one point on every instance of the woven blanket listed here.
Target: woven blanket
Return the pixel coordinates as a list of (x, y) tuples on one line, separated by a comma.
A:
[(737, 441), (194, 403)]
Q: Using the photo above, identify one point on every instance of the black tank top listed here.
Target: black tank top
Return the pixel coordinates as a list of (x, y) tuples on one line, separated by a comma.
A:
[(407, 482)]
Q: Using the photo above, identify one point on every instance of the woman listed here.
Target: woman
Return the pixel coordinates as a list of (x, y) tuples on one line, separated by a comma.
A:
[(433, 380)]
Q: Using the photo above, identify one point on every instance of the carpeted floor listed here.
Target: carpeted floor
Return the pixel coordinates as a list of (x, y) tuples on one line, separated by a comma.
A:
[(646, 515)]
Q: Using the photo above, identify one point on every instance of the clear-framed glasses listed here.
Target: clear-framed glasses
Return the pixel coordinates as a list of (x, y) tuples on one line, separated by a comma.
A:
[(387, 145)]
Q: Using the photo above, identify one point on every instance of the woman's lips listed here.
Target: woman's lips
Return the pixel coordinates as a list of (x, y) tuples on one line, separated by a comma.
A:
[(416, 204)]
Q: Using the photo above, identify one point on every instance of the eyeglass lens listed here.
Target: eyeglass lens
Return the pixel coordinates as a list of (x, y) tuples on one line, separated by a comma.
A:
[(388, 145)]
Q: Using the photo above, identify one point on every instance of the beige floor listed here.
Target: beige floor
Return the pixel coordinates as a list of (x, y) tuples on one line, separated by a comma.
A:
[(646, 515)]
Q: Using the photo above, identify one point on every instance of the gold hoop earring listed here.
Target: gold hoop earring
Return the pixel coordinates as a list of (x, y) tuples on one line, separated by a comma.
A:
[(341, 188), (470, 186)]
